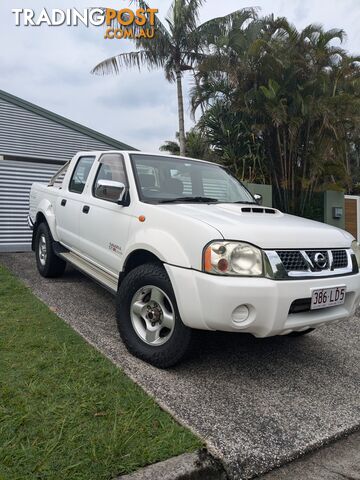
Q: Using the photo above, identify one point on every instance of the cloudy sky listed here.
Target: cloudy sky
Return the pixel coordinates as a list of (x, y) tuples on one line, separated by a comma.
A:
[(50, 66)]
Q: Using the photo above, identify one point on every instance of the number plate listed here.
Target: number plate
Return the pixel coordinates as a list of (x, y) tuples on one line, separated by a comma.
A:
[(327, 297)]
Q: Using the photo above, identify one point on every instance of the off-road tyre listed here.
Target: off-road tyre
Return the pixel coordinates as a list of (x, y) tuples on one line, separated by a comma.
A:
[(178, 345), (49, 266)]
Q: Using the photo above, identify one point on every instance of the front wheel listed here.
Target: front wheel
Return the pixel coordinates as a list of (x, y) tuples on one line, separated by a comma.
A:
[(148, 318)]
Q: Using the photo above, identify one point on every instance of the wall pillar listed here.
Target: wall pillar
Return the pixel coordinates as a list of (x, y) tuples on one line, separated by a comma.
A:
[(334, 202)]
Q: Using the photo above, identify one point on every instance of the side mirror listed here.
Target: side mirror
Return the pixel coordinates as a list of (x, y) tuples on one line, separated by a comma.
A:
[(111, 191), (258, 198)]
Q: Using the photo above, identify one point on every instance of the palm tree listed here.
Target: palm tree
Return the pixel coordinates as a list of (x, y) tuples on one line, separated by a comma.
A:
[(174, 48), (295, 92), (197, 146)]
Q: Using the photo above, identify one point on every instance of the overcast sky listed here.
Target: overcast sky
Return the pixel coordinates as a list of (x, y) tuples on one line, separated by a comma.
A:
[(50, 66)]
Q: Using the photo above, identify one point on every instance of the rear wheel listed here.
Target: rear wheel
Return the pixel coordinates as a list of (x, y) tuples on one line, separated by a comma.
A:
[(148, 318), (48, 264)]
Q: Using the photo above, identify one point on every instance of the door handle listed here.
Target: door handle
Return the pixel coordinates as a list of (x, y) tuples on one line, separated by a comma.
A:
[(86, 209), (63, 202)]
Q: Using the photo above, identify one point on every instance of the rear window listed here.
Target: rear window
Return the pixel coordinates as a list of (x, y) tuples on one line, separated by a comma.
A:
[(80, 174)]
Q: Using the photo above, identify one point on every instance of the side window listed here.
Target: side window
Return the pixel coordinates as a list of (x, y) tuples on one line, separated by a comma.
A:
[(111, 169), (80, 174)]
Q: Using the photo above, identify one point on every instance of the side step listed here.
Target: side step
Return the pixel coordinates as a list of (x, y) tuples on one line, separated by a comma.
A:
[(110, 282)]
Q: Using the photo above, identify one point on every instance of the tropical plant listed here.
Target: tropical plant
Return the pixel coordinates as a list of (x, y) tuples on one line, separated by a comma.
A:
[(197, 146), (175, 48), (296, 92), (234, 141)]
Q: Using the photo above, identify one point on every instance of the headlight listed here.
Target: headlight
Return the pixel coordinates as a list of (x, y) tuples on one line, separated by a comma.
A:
[(356, 249), (233, 258)]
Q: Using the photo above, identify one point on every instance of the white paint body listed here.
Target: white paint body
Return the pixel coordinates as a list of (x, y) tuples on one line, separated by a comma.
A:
[(177, 235)]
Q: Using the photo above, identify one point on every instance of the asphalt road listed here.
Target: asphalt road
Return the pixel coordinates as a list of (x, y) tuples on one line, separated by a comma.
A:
[(257, 403)]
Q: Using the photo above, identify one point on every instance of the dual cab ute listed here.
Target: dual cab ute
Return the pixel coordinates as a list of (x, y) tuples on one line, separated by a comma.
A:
[(183, 245)]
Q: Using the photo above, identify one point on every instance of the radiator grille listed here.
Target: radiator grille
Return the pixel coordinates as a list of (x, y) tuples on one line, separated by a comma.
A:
[(295, 260), (340, 259)]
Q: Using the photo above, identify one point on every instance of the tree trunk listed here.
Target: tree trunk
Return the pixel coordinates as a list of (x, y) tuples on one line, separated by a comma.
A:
[(182, 139), (197, 83)]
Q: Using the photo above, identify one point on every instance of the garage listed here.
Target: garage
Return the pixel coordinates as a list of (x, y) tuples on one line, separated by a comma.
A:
[(16, 178), (34, 143)]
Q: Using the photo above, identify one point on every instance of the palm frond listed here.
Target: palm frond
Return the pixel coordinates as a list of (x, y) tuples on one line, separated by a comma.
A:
[(171, 147), (311, 30), (333, 34), (215, 28), (114, 65)]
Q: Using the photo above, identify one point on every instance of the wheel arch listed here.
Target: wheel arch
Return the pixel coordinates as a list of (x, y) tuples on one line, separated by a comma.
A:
[(45, 214), (138, 257), (40, 218)]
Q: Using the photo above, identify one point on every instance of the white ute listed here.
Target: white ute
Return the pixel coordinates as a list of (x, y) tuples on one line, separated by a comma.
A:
[(183, 245)]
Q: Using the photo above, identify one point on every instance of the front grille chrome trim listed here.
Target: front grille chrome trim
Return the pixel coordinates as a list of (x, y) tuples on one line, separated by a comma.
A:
[(331, 260), (276, 270), (307, 260)]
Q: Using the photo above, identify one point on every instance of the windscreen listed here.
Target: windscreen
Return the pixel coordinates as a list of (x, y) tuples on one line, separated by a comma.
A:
[(167, 179)]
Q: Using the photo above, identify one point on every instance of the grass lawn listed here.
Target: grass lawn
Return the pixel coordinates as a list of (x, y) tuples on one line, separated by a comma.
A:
[(66, 412)]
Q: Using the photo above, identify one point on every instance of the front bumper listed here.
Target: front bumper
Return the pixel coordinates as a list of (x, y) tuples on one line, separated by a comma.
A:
[(208, 301)]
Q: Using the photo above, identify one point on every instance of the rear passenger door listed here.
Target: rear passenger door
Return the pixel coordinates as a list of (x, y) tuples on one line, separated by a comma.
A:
[(104, 225), (69, 204)]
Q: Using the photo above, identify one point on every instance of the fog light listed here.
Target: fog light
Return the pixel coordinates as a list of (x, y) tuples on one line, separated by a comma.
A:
[(240, 314)]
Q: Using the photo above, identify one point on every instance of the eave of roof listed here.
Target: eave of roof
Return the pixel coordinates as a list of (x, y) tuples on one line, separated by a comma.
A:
[(64, 121)]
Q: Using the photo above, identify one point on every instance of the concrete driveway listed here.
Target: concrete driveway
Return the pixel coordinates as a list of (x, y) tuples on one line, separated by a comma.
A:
[(257, 403)]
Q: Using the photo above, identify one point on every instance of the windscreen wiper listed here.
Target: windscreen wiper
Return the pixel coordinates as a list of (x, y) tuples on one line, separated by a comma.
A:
[(191, 199), (247, 203)]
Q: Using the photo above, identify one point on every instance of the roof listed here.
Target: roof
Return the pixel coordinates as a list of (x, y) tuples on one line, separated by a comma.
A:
[(64, 121), (152, 154)]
